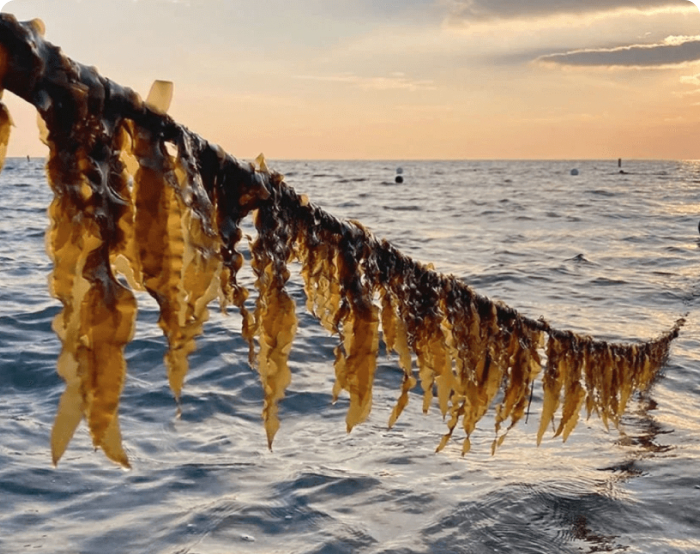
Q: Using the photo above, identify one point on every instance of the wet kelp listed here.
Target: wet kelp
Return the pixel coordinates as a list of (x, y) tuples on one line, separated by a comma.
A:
[(143, 204)]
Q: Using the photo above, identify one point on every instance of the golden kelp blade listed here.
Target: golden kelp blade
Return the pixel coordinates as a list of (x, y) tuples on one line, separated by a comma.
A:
[(275, 311), (551, 385), (355, 370), (202, 265), (98, 313), (5, 124), (160, 96), (178, 256), (68, 416), (161, 247), (5, 119), (38, 26), (277, 323), (112, 444), (524, 365), (435, 368), (67, 326), (108, 323), (123, 255), (396, 339)]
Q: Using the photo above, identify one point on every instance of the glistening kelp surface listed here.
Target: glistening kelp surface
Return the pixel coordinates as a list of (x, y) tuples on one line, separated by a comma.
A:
[(170, 223)]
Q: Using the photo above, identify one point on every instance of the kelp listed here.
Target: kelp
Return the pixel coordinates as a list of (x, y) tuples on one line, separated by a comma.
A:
[(142, 203), (88, 217), (177, 248), (275, 311), (5, 124)]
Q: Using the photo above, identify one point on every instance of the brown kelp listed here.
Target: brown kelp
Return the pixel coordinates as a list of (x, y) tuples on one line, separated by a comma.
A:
[(138, 195)]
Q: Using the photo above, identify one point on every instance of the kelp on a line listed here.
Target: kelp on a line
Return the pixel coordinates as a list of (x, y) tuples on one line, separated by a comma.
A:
[(139, 195)]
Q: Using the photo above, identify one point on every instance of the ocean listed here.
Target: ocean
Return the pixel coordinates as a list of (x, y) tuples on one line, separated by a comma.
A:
[(613, 255)]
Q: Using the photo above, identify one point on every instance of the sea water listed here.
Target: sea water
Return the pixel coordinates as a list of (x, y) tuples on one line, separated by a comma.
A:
[(613, 255)]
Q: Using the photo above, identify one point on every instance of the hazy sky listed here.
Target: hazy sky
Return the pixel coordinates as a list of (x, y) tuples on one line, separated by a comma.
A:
[(399, 79)]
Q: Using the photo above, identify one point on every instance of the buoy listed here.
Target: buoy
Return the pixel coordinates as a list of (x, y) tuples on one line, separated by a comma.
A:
[(574, 171), (399, 170), (398, 179)]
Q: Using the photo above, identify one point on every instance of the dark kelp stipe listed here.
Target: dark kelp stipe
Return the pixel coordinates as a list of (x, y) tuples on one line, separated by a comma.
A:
[(139, 195)]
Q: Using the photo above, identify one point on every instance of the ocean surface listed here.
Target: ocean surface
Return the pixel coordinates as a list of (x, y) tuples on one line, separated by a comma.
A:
[(613, 255)]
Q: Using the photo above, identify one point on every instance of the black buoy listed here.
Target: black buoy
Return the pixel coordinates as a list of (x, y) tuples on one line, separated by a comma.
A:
[(398, 179)]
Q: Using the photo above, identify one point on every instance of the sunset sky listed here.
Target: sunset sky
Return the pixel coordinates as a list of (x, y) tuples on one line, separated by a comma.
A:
[(399, 79)]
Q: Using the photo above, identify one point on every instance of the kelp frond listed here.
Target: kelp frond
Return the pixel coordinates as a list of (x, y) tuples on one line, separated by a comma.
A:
[(139, 195)]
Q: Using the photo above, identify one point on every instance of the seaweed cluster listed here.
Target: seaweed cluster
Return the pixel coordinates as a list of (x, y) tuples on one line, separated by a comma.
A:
[(143, 204)]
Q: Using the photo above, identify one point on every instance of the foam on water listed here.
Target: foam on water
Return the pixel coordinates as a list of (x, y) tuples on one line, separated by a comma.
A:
[(608, 254)]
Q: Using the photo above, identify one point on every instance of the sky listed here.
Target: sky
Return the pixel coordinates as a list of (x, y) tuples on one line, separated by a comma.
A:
[(398, 79)]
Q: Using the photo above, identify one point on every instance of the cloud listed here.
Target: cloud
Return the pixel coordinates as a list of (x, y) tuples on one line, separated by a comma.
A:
[(484, 10), (674, 50), (395, 81), (691, 80)]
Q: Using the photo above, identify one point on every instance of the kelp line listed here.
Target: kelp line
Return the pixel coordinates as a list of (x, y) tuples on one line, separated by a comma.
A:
[(139, 196)]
